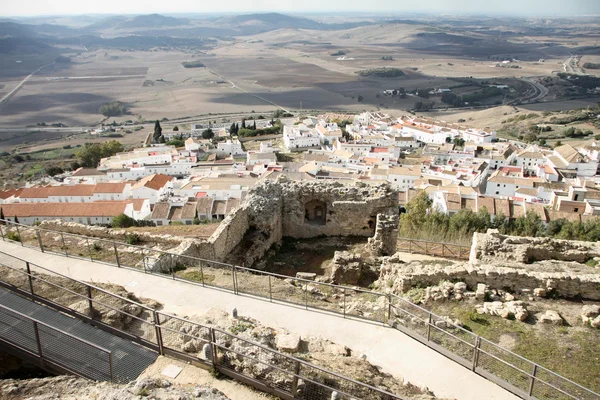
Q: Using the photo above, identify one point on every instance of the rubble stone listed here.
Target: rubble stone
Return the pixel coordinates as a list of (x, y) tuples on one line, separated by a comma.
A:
[(551, 317)]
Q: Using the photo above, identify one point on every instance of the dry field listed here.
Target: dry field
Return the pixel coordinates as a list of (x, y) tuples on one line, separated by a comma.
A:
[(290, 68)]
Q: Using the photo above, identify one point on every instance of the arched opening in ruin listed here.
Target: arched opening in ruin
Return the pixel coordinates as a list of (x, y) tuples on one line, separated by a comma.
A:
[(371, 223), (315, 212)]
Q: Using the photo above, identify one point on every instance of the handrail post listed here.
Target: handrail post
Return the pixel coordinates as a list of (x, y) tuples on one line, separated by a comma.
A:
[(270, 290), (531, 383), (476, 353), (410, 246), (159, 340), (306, 296), (39, 238), (29, 276), (116, 255), (38, 342), (110, 366), (202, 272), (295, 378), (143, 260), (389, 307), (90, 304), (62, 236), (213, 344), (89, 249), (235, 291), (19, 234), (429, 328), (426, 251), (2, 231), (443, 247), (344, 296)]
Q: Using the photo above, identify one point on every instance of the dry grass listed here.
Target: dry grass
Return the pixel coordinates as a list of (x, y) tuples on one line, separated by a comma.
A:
[(191, 231)]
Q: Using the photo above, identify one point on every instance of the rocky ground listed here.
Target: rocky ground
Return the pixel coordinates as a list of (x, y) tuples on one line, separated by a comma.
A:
[(73, 388), (189, 334)]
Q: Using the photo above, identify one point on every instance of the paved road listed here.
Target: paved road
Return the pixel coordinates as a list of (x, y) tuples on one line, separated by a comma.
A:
[(393, 351), (541, 91), (8, 96)]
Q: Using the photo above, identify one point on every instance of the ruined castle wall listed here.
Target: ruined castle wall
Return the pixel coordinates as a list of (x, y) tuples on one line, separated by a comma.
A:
[(118, 235), (230, 233), (493, 247), (568, 280), (349, 210)]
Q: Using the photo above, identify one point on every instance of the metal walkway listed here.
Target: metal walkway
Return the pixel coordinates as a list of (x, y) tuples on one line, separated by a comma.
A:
[(69, 342)]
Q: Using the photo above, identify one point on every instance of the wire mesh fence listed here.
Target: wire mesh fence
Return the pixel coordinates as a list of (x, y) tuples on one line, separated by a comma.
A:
[(511, 371), (178, 336), (55, 346)]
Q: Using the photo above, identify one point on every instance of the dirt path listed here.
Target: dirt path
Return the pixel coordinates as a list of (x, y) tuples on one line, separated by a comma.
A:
[(192, 375)]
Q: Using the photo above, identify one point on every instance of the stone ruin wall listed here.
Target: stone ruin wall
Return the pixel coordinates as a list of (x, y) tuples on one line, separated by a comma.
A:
[(508, 262), (569, 281), (107, 233), (273, 210), (493, 247)]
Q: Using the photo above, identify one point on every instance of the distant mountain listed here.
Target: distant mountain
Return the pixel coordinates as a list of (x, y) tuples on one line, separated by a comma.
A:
[(24, 46), (152, 21), (105, 23), (55, 30), (249, 24), (14, 29), (270, 20)]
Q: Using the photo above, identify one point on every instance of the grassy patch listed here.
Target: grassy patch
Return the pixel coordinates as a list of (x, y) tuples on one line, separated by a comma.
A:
[(572, 352), (196, 276)]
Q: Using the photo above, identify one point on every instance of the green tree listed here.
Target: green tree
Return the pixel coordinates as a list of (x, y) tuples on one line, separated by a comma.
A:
[(176, 143), (54, 170), (157, 131), (196, 220), (122, 221), (254, 125), (459, 142), (175, 128), (91, 154), (112, 109), (208, 134), (558, 143), (416, 214)]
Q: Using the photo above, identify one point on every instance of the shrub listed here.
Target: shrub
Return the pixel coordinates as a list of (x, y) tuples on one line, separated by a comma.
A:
[(132, 238), (193, 64), (112, 109), (13, 236), (122, 221), (382, 72)]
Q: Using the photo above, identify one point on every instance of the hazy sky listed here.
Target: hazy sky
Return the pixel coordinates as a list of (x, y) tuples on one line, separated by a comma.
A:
[(526, 7)]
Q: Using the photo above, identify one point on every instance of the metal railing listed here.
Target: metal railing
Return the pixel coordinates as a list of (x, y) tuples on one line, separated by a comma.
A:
[(505, 368), (53, 347), (258, 365), (435, 249)]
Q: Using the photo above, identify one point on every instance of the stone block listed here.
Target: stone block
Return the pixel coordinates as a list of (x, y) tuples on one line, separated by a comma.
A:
[(310, 276), (288, 343), (551, 317)]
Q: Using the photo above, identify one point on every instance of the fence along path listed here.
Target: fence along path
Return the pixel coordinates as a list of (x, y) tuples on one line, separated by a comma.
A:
[(435, 249), (66, 344), (514, 373), (290, 377)]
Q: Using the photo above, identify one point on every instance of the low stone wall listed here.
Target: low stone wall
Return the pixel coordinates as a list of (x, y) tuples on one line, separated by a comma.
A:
[(493, 247), (106, 233), (566, 279)]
